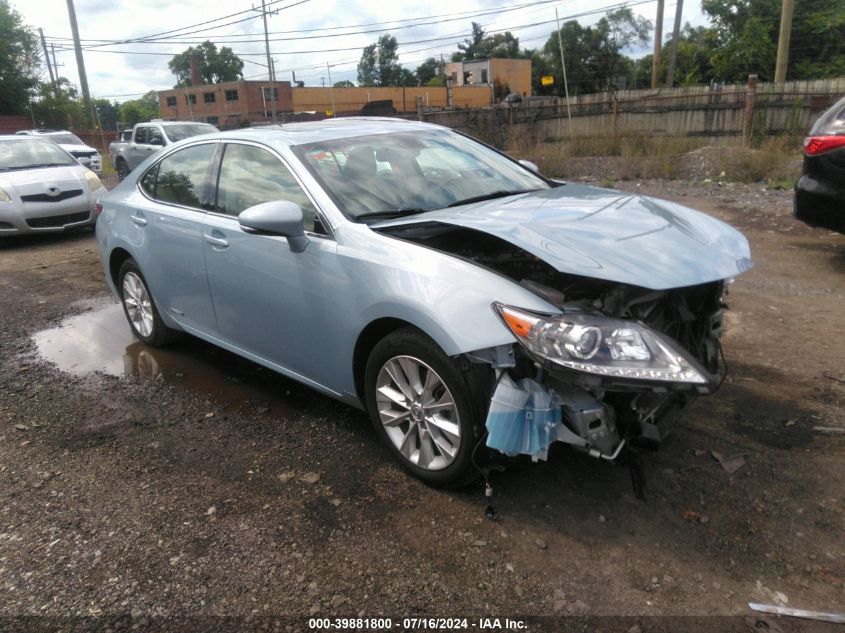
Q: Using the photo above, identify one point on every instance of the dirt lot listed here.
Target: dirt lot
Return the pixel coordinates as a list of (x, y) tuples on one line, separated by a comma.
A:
[(191, 483)]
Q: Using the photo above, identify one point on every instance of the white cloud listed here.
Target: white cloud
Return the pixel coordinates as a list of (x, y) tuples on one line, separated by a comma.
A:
[(114, 75)]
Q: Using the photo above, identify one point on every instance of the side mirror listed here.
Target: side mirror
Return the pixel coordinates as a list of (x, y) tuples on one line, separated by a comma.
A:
[(157, 141), (529, 165), (278, 217)]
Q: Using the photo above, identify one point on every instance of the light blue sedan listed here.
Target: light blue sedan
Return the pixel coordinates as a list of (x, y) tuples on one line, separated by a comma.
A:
[(462, 299)]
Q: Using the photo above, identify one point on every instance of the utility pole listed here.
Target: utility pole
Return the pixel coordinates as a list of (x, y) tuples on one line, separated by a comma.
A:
[(673, 55), (55, 65), (47, 59), (80, 62), (270, 72), (783, 40), (658, 45), (331, 90), (565, 83)]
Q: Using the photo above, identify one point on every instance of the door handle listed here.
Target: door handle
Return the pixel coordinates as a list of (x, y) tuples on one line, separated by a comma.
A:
[(138, 220), (216, 241)]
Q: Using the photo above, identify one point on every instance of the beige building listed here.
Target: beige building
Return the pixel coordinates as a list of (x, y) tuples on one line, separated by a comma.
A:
[(514, 75)]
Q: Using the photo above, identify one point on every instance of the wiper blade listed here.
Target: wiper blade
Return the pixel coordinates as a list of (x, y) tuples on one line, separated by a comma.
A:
[(392, 213), (502, 193), (39, 165)]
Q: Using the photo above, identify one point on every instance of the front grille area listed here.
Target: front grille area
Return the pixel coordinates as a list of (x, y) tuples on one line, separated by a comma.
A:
[(83, 154), (43, 197), (57, 221)]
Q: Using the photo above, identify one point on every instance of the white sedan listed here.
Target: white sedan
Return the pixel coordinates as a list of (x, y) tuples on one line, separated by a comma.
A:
[(43, 188)]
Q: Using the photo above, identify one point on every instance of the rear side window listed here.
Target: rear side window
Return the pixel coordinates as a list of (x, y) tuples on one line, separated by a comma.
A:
[(141, 135), (182, 177)]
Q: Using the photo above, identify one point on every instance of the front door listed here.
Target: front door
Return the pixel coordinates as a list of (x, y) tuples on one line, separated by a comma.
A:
[(269, 301)]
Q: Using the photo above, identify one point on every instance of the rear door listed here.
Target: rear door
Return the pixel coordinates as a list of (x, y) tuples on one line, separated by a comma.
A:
[(139, 149), (269, 301), (176, 193)]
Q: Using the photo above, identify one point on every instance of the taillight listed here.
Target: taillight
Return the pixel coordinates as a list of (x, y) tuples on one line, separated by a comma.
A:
[(814, 145), (98, 208)]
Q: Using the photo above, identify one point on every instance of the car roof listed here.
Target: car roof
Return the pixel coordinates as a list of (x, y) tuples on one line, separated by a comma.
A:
[(166, 123), (327, 130), (23, 137)]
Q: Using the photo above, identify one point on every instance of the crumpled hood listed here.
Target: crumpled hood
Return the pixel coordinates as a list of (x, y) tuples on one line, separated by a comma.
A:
[(607, 234)]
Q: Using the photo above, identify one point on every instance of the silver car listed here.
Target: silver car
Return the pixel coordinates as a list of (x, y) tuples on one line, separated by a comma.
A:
[(459, 297), (73, 145), (44, 189)]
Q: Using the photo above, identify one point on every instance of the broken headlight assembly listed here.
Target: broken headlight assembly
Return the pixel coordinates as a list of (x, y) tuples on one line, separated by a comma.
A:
[(603, 346)]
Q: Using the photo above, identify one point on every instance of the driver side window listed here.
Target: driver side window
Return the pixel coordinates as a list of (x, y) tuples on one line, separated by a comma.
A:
[(250, 175)]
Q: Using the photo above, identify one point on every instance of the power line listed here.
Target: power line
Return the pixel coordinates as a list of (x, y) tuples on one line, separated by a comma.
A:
[(422, 21)]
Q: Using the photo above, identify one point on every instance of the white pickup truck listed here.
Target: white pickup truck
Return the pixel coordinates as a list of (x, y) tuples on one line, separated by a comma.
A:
[(148, 138)]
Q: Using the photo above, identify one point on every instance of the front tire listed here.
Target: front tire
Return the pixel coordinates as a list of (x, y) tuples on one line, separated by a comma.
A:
[(139, 307), (423, 407)]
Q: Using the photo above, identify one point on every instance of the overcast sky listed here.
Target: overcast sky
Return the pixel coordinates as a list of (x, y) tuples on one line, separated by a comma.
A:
[(301, 35)]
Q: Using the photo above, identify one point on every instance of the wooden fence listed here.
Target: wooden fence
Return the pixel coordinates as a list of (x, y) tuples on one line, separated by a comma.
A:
[(743, 111)]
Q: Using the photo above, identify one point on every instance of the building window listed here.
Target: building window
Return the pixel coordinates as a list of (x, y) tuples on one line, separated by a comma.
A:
[(231, 95), (171, 102), (484, 76), (267, 96), (208, 97), (192, 99), (214, 120)]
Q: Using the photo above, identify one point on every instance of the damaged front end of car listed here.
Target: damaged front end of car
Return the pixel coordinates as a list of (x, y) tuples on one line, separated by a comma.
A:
[(617, 366), (635, 289)]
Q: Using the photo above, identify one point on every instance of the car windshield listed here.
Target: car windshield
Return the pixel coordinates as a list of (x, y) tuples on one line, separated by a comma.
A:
[(31, 154), (179, 132), (65, 139), (389, 175)]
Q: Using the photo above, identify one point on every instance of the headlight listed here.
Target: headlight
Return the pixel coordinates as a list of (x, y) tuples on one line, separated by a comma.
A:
[(93, 180), (601, 345), (4, 197)]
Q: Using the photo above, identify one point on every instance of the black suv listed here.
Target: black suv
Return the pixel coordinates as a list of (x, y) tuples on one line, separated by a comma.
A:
[(820, 192)]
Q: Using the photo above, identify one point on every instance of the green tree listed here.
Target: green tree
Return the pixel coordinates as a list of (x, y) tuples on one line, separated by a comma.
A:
[(427, 71), (214, 66), (58, 108), (139, 110), (18, 62), (748, 35), (107, 112), (379, 65), (594, 54), (696, 45), (343, 84), (482, 46)]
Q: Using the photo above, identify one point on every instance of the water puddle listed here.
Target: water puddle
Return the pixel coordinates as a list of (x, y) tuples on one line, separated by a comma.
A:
[(99, 340)]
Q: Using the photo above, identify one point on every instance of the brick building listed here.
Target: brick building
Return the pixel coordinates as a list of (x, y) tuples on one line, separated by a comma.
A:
[(226, 104)]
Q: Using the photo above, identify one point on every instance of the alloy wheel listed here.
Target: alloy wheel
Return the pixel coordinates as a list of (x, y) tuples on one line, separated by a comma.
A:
[(138, 304), (418, 412)]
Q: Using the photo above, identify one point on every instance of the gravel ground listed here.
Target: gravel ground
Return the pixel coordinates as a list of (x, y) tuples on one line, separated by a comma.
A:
[(187, 483)]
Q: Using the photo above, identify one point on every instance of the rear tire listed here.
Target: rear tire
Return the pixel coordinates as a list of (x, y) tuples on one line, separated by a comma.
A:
[(140, 308), (424, 407)]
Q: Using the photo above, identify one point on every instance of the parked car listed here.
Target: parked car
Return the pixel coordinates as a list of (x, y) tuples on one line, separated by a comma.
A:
[(148, 138), (454, 293), (73, 145), (43, 188), (820, 192)]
